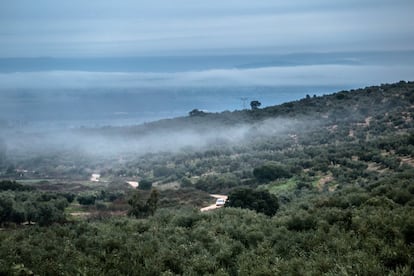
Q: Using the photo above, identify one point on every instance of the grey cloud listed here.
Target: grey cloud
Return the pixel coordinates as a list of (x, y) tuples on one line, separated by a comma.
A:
[(77, 9), (122, 28)]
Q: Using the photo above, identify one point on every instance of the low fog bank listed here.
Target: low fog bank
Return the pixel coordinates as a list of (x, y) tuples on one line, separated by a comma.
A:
[(305, 75), (98, 143), (72, 108)]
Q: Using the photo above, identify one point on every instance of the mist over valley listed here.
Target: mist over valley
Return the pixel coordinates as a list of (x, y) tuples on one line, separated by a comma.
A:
[(212, 137)]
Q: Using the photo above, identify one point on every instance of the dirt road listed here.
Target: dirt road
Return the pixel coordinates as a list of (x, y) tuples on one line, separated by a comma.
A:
[(214, 206)]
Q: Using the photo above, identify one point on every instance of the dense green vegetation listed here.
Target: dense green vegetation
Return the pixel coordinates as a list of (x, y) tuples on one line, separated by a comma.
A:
[(141, 209), (323, 185), (259, 201)]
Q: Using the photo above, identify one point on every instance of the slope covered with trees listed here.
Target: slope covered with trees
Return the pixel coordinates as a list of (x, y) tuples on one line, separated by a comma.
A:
[(323, 185)]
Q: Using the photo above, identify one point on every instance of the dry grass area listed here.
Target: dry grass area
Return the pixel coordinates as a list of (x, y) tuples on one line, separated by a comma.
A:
[(407, 160), (407, 116), (95, 214), (333, 128), (174, 185), (375, 167), (81, 214), (324, 181)]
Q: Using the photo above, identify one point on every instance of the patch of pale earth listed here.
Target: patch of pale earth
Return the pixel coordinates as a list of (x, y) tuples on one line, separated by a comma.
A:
[(235, 156), (80, 214), (294, 137), (133, 184), (387, 153), (323, 181), (332, 188), (407, 117), (407, 160), (375, 167), (366, 122), (167, 186), (219, 196), (95, 177), (332, 128), (209, 173), (90, 214)]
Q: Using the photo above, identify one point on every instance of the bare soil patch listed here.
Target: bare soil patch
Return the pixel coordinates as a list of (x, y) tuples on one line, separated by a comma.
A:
[(323, 181)]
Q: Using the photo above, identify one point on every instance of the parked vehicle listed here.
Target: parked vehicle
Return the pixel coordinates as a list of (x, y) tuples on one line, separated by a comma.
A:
[(220, 202)]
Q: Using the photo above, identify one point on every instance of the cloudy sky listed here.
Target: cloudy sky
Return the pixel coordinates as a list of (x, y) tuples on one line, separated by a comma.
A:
[(81, 30)]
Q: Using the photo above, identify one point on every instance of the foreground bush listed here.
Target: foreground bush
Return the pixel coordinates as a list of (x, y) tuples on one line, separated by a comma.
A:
[(226, 242)]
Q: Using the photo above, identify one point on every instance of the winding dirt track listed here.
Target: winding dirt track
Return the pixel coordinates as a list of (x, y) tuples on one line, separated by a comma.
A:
[(214, 206)]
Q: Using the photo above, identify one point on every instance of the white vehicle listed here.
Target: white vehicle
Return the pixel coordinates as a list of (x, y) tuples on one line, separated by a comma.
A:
[(220, 202)]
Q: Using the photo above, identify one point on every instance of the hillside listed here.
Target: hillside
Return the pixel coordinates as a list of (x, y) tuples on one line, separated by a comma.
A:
[(340, 166), (345, 106), (336, 136)]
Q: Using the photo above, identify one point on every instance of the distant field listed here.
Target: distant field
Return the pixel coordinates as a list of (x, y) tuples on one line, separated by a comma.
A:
[(61, 185), (280, 186), (35, 181)]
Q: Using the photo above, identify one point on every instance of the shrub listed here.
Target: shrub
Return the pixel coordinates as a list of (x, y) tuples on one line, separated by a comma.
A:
[(86, 199), (162, 171), (259, 201), (145, 184), (141, 208), (408, 232), (217, 183), (13, 186), (304, 223), (186, 182), (402, 197), (271, 171)]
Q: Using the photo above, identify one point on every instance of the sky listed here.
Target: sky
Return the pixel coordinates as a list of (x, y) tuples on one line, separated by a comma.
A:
[(99, 29), (102, 28)]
